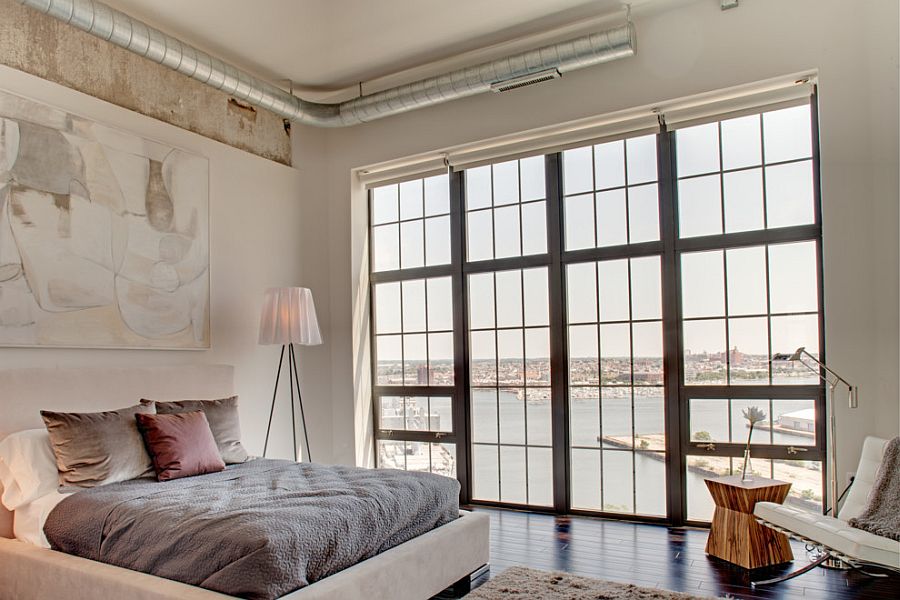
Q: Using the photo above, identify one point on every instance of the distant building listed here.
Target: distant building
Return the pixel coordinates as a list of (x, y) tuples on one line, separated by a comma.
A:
[(422, 374), (799, 420)]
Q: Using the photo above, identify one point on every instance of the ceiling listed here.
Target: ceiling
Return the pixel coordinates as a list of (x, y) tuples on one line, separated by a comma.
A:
[(331, 44)]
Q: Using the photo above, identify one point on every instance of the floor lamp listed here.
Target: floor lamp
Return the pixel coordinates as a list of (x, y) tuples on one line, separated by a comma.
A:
[(832, 379), (289, 317)]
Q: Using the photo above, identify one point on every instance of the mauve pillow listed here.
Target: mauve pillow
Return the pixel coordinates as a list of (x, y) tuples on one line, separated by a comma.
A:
[(223, 421), (94, 449), (181, 444)]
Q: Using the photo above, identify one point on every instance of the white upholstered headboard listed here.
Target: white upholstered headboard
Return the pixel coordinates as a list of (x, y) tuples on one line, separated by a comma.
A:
[(25, 392)]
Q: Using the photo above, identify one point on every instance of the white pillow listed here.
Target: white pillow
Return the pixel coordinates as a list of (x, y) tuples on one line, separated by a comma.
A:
[(27, 467)]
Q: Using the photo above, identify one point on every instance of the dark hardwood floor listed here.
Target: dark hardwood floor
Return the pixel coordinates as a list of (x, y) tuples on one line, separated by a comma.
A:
[(656, 556)]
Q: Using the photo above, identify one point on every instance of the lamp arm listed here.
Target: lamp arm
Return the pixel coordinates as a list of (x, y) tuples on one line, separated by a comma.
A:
[(827, 369)]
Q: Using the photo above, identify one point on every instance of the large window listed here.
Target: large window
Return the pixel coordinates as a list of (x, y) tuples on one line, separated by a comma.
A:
[(583, 331)]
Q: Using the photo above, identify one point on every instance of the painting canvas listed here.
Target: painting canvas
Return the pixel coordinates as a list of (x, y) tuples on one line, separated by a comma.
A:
[(103, 235)]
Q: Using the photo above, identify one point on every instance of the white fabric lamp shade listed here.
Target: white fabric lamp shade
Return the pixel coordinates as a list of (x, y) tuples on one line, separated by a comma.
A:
[(289, 317)]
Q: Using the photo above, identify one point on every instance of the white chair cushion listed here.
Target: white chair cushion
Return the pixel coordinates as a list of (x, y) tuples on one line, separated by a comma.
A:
[(833, 533), (869, 460)]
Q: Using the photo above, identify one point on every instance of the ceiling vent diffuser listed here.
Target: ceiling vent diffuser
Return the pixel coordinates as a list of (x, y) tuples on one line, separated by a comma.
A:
[(521, 81)]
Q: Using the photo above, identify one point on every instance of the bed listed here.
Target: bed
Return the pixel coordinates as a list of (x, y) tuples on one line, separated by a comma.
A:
[(415, 569)]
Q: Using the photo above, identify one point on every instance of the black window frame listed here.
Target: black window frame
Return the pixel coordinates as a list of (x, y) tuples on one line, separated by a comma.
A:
[(676, 393)]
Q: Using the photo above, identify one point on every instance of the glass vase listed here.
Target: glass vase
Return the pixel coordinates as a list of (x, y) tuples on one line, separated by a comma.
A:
[(747, 471)]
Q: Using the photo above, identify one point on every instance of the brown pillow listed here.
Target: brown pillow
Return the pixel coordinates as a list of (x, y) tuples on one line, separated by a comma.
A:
[(98, 448), (223, 421), (181, 444)]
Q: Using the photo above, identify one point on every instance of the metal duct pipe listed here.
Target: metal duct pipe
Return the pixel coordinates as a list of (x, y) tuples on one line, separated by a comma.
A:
[(116, 27)]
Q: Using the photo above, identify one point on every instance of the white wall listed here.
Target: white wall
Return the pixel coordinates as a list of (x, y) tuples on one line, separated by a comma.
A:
[(256, 212), (697, 48)]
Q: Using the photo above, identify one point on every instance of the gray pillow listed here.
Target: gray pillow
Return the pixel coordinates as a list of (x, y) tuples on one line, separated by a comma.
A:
[(223, 421), (98, 448)]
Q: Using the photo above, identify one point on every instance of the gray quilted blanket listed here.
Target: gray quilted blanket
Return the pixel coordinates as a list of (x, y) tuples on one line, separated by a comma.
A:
[(257, 530), (882, 515)]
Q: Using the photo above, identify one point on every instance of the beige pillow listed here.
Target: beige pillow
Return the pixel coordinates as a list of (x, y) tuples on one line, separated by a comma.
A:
[(223, 421), (98, 448)]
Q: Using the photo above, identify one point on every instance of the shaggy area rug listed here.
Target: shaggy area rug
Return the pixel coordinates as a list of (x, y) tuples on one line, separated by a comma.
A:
[(519, 583)]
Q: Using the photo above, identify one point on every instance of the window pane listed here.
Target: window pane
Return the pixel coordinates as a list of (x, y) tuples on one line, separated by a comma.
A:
[(612, 218), (646, 293), (741, 142), (581, 283), (480, 235), (512, 474), (440, 415), (648, 353), (649, 420), (615, 354), (538, 407), (415, 359), (485, 473), (534, 228), (537, 356), (650, 483), (697, 149), (443, 459), (440, 359), (744, 201), (510, 357), (386, 248), (411, 199), (384, 204), (387, 308), (579, 222), (481, 300), (700, 504), (788, 334), (748, 342), (806, 477), (412, 245), (586, 479), (584, 406), (478, 187), (709, 420), (512, 416), (391, 455), (702, 284), (391, 413), (609, 164), (584, 365), (792, 277), (641, 153), (540, 476), (794, 422), (746, 280), (484, 419), (440, 304), (509, 298), (507, 232), (613, 283), (416, 414), (699, 206), (740, 426), (531, 170), (704, 352), (643, 214), (789, 194), (537, 301), (483, 353), (618, 481), (389, 354), (578, 174), (787, 133), (437, 241), (437, 195), (506, 183), (414, 305)]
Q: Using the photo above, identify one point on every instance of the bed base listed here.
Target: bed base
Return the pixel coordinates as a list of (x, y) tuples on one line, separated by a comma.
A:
[(445, 557)]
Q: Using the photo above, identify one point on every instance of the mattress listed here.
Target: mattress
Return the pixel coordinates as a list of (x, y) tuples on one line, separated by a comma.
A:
[(257, 530)]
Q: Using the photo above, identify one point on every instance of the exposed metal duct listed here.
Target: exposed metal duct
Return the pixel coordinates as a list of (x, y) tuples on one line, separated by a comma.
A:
[(116, 27)]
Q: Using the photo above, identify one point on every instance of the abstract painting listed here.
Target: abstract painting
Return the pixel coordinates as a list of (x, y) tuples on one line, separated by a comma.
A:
[(104, 236)]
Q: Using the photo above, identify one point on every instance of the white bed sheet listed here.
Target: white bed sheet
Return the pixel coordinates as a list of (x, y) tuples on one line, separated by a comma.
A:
[(28, 520)]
